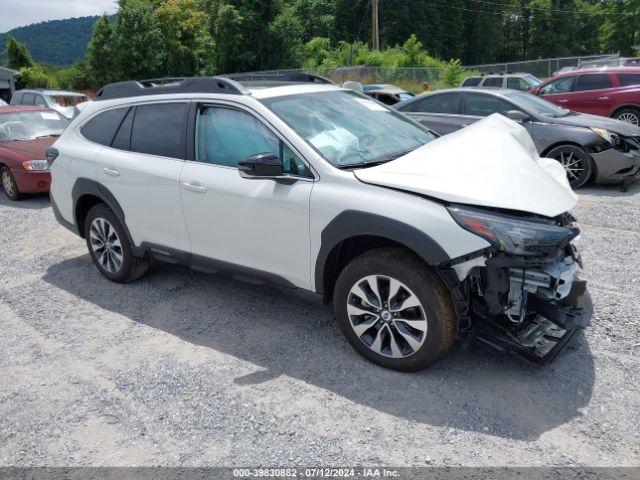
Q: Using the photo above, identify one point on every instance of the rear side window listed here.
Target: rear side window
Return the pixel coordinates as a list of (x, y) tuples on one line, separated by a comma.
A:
[(493, 82), (472, 82), (596, 81), (628, 79), (439, 103), (102, 128), (158, 129)]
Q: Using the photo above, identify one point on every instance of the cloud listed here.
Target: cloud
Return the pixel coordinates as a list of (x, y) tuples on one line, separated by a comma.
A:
[(17, 13)]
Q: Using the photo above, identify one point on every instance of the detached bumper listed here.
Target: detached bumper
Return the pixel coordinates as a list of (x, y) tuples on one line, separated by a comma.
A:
[(615, 166), (32, 182)]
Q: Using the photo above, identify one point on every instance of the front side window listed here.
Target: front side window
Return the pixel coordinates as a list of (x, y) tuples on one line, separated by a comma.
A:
[(224, 136), (30, 124), (596, 81), (479, 105), (28, 99), (347, 128), (159, 129), (517, 83), (562, 85)]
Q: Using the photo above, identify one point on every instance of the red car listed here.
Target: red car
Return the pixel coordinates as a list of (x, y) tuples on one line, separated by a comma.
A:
[(25, 135), (609, 92)]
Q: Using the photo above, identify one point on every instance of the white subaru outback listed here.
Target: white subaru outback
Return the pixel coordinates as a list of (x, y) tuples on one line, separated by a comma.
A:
[(415, 240)]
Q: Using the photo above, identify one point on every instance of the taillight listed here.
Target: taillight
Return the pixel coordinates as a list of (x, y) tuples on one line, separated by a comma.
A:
[(51, 154)]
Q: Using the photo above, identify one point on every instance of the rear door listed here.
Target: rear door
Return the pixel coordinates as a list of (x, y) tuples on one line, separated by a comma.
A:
[(141, 167), (592, 93), (439, 111)]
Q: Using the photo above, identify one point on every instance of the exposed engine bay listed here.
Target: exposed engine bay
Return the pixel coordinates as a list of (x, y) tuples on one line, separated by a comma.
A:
[(530, 305)]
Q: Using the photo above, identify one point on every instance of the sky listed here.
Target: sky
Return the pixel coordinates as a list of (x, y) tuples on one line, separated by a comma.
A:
[(17, 13)]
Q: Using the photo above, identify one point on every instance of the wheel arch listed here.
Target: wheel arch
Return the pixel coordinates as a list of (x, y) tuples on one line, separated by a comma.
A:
[(353, 233), (563, 143), (622, 107), (86, 194)]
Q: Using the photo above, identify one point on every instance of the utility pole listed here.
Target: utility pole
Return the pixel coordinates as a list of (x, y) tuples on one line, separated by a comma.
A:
[(374, 27)]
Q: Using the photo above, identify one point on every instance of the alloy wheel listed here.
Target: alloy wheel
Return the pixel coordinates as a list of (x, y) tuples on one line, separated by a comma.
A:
[(573, 164), (106, 245), (7, 183), (629, 117), (387, 316)]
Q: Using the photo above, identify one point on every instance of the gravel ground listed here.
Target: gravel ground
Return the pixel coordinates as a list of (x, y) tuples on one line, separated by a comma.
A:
[(183, 368)]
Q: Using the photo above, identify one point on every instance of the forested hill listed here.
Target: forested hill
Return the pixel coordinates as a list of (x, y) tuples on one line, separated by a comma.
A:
[(59, 42)]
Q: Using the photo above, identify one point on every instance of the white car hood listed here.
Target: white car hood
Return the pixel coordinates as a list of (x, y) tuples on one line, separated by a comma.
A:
[(492, 163)]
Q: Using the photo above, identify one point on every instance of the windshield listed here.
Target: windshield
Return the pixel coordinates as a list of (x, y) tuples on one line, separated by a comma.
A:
[(533, 81), (28, 125), (348, 128), (406, 96), (537, 105), (67, 100)]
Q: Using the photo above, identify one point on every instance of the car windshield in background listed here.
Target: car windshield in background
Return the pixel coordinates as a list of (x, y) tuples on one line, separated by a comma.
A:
[(537, 105), (67, 100), (348, 128), (30, 124)]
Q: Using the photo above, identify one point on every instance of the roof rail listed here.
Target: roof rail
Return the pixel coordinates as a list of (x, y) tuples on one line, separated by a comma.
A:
[(291, 77), (158, 86)]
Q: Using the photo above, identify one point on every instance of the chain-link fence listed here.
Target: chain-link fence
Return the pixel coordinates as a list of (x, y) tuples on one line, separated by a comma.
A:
[(412, 78)]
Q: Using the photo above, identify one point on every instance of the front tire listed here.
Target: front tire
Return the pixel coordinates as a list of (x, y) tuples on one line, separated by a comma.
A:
[(577, 164), (393, 310), (9, 185), (110, 248)]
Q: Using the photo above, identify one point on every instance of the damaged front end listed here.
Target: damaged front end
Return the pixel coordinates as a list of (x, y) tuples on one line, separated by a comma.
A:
[(520, 295)]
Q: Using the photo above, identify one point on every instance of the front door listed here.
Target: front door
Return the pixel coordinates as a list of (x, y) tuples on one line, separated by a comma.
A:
[(261, 225)]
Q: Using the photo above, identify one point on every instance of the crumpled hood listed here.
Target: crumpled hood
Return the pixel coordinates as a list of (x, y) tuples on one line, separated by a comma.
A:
[(492, 163)]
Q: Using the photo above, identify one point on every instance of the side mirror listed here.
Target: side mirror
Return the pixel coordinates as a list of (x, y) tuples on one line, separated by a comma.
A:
[(262, 165), (535, 91), (517, 115)]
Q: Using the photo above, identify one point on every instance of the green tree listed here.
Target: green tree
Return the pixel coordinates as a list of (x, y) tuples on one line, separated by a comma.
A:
[(34, 77), (101, 53), (228, 37), (18, 55), (286, 32)]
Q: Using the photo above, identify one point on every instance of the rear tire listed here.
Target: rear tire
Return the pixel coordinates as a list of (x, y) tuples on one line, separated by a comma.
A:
[(9, 185), (412, 326), (110, 248), (629, 115), (577, 163)]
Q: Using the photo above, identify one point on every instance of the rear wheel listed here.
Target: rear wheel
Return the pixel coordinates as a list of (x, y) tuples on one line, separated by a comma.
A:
[(110, 248), (629, 115), (9, 184), (393, 310), (576, 162)]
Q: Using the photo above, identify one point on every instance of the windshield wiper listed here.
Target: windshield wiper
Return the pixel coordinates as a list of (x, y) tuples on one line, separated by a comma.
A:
[(378, 161)]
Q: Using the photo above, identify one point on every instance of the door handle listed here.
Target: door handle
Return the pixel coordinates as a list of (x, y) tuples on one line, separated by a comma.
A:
[(603, 98), (194, 188), (111, 172), (563, 100)]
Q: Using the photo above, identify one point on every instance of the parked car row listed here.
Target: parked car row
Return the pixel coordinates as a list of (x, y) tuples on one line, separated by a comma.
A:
[(589, 147)]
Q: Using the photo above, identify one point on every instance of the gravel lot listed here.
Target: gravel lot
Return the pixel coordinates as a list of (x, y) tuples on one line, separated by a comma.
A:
[(183, 368)]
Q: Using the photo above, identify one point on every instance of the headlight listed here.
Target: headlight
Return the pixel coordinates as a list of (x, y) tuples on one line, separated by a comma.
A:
[(612, 138), (512, 234), (35, 165)]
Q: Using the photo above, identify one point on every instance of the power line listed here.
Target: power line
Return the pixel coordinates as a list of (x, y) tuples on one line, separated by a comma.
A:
[(554, 10), (581, 12)]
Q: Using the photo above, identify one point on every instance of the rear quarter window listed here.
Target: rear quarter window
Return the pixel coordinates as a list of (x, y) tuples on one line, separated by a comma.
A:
[(493, 82), (103, 127), (596, 81)]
